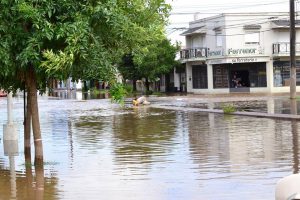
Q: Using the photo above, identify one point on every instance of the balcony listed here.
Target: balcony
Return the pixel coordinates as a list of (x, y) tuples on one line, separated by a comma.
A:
[(194, 54), (283, 49)]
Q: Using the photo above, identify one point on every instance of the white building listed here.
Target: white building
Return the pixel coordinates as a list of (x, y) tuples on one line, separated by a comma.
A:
[(251, 48)]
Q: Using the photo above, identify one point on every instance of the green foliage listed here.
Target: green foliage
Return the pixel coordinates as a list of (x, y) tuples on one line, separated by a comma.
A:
[(118, 93), (149, 92), (157, 94), (156, 59), (150, 60), (128, 88), (95, 91), (228, 108), (78, 39)]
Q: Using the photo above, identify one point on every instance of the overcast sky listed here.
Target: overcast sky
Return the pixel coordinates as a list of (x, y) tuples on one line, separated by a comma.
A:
[(185, 11)]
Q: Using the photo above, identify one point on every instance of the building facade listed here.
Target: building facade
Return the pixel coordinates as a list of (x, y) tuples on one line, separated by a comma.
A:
[(240, 52)]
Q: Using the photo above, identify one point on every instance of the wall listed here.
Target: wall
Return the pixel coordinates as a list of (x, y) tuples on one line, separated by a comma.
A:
[(232, 27)]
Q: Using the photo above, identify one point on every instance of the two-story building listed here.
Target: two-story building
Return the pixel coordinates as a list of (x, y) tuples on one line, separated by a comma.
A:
[(239, 52)]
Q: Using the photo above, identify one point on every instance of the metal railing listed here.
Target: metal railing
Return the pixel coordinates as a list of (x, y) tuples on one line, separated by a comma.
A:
[(284, 48), (200, 52)]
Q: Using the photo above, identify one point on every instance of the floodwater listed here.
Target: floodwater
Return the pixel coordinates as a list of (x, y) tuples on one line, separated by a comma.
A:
[(94, 149)]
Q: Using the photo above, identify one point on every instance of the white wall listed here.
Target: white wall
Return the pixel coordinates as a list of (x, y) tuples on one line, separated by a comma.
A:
[(232, 26), (176, 80)]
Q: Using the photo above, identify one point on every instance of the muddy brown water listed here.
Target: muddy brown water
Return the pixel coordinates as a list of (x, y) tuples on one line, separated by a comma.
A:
[(97, 150)]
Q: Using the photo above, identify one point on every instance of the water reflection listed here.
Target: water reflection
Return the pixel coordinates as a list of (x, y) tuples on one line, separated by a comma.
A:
[(282, 105), (94, 149), (79, 95), (142, 137), (24, 186), (295, 146), (11, 150)]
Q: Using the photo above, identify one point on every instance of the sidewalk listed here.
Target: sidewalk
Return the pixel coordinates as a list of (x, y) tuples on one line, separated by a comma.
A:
[(276, 106)]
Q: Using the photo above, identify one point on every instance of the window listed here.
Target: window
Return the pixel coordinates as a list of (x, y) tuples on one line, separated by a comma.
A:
[(219, 38), (258, 75), (199, 76), (252, 38), (281, 73), (220, 75)]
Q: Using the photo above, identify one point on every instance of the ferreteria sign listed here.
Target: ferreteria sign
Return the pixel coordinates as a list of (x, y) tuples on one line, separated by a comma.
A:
[(243, 60), (248, 51), (238, 60)]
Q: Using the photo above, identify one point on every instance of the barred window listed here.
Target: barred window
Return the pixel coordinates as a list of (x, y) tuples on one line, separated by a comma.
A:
[(199, 76)]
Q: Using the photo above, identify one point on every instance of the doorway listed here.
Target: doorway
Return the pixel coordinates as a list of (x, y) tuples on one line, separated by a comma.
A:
[(239, 81), (239, 78)]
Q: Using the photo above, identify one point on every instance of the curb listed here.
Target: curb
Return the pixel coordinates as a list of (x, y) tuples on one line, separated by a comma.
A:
[(250, 114)]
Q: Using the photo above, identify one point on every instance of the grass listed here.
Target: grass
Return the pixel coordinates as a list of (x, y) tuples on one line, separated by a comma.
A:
[(96, 91), (228, 108)]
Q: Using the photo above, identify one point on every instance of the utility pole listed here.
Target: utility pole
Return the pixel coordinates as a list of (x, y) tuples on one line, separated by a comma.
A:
[(292, 51)]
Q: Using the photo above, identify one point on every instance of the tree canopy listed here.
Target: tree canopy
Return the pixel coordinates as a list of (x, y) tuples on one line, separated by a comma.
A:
[(156, 59), (79, 39), (149, 62)]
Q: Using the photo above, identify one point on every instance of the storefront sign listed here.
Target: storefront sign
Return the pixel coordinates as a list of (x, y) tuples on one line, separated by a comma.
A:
[(216, 61), (215, 53), (232, 51), (237, 60), (243, 60), (247, 51)]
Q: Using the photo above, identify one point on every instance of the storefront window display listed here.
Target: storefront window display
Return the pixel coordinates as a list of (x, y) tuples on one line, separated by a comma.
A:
[(281, 70), (240, 75)]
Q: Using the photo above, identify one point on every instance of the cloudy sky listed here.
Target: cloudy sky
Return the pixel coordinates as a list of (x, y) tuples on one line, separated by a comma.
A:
[(185, 11)]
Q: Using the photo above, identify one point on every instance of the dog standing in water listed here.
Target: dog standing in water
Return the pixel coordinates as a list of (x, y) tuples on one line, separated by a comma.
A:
[(141, 100)]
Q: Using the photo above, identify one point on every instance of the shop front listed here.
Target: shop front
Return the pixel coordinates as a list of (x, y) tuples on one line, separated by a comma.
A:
[(281, 73), (239, 77), (233, 70)]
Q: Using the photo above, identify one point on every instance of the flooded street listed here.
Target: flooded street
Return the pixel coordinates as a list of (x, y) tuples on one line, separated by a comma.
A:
[(94, 149)]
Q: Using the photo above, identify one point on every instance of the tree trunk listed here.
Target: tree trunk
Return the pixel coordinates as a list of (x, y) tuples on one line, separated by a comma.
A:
[(134, 85), (38, 145), (85, 89), (147, 85), (27, 126)]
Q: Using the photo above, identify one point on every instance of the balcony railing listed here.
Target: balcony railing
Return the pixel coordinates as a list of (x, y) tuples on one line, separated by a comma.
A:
[(283, 48), (193, 53)]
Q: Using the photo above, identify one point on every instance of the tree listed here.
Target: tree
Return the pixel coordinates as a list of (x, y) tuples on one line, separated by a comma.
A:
[(156, 58), (50, 39), (129, 70)]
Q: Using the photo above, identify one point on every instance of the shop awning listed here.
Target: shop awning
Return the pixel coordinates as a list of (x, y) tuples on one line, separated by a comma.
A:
[(196, 30)]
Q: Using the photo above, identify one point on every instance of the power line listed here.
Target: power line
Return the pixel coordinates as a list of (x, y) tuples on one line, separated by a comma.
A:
[(258, 22), (206, 11), (237, 34), (223, 5), (227, 20), (244, 22)]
